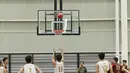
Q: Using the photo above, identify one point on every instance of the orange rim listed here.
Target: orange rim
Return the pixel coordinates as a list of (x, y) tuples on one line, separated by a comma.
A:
[(58, 31)]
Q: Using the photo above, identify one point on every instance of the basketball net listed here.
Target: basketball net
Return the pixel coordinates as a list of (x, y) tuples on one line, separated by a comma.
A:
[(59, 32), (65, 25)]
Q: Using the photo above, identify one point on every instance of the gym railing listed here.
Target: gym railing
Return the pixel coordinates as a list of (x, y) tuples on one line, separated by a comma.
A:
[(43, 60)]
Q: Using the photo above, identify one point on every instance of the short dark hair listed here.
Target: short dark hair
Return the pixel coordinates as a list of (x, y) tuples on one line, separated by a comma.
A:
[(28, 59), (82, 62), (116, 59), (5, 58), (58, 57), (101, 55), (125, 61)]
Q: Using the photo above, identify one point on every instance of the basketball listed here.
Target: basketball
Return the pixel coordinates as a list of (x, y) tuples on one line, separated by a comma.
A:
[(60, 15)]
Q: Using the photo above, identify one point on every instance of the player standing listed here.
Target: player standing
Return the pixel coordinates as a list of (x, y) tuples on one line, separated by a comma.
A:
[(58, 62), (117, 68), (103, 66), (124, 66), (29, 67)]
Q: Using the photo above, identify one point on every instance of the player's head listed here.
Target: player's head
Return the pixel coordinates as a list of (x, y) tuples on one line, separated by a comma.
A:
[(115, 59), (1, 63), (58, 57), (5, 60), (124, 61), (81, 63), (28, 59), (101, 56)]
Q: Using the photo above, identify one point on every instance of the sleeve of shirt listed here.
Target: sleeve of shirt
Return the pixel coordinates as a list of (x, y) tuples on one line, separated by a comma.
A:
[(113, 67), (78, 70), (85, 70)]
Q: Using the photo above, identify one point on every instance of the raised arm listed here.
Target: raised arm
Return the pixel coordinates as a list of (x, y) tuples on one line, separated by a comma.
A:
[(53, 58), (62, 53)]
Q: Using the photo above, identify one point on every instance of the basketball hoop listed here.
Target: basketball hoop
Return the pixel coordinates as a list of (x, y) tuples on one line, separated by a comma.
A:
[(58, 22), (58, 32)]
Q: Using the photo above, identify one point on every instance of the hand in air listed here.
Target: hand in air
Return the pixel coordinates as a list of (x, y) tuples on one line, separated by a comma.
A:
[(61, 49), (54, 50)]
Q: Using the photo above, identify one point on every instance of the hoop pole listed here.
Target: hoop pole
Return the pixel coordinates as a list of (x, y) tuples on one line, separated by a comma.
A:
[(61, 4), (55, 13), (117, 28), (61, 8), (55, 4)]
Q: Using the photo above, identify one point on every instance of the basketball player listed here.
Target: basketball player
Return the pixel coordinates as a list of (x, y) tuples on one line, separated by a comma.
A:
[(58, 62), (5, 62), (103, 66), (124, 63), (29, 67), (2, 68), (117, 68), (124, 66)]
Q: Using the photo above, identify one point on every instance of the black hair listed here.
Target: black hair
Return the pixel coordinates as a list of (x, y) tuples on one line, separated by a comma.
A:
[(28, 59), (82, 62), (58, 57), (116, 59), (125, 61), (101, 56), (5, 58)]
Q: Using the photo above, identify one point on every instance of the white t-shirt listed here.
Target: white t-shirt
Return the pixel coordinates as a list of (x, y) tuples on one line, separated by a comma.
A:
[(29, 68), (59, 67), (1, 69), (104, 66)]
